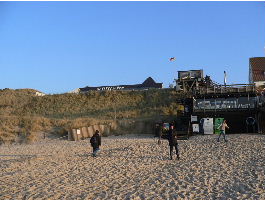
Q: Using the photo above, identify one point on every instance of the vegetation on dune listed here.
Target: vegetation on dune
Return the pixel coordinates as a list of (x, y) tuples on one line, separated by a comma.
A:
[(23, 113)]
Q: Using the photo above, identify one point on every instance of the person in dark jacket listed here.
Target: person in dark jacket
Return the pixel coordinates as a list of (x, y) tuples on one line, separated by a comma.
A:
[(95, 142), (172, 141), (158, 132)]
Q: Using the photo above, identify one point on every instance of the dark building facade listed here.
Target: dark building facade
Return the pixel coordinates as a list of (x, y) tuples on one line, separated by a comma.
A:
[(236, 109), (147, 84), (241, 106)]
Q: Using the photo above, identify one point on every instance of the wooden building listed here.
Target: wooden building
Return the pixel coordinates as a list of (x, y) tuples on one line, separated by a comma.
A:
[(257, 71), (238, 104), (242, 105)]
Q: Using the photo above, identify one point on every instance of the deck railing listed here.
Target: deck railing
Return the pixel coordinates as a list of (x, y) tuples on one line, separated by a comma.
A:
[(220, 89)]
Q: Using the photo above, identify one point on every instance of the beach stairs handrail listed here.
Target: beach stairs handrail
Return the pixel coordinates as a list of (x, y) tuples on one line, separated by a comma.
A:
[(184, 134), (182, 125)]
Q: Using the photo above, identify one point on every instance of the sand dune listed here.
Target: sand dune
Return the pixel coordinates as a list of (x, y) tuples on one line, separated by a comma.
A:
[(135, 167)]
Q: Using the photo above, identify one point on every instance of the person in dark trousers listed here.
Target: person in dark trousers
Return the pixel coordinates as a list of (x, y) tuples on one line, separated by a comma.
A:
[(95, 142), (222, 131), (172, 141), (159, 134)]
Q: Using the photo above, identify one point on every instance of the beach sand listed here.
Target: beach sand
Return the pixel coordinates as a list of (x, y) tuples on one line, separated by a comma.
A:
[(135, 167)]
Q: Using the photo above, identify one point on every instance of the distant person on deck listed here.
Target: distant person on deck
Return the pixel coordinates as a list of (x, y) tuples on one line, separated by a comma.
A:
[(172, 141), (222, 131), (95, 142)]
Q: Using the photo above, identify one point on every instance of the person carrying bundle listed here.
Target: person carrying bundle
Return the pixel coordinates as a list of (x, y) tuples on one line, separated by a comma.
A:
[(95, 142)]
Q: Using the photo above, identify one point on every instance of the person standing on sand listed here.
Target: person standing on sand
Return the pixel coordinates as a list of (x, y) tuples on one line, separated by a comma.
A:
[(95, 142), (159, 134), (222, 131), (172, 141)]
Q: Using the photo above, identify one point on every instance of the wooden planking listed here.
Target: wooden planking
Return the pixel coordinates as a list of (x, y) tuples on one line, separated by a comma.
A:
[(87, 132)]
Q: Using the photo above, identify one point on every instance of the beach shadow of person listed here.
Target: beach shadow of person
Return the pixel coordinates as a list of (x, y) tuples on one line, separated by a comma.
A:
[(87, 155), (119, 149), (16, 159), (84, 155)]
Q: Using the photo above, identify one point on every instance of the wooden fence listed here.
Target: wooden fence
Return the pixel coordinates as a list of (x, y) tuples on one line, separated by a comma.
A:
[(87, 132)]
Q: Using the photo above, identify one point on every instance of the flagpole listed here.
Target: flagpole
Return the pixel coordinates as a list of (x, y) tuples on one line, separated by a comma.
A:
[(225, 78)]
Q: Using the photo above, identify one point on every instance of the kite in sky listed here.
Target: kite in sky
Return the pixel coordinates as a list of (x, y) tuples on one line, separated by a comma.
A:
[(172, 59)]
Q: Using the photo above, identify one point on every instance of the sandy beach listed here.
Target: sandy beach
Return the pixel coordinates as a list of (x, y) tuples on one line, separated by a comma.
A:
[(135, 167)]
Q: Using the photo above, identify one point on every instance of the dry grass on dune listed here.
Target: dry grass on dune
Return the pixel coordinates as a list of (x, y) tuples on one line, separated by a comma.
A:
[(94, 104), (23, 115), (30, 129)]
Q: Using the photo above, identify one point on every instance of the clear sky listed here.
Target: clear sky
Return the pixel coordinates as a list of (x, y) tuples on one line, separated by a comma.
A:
[(56, 47)]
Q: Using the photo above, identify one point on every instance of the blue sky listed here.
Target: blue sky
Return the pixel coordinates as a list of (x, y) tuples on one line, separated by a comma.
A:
[(56, 47)]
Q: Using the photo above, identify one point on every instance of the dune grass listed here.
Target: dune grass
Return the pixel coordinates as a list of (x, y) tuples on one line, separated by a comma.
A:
[(24, 113)]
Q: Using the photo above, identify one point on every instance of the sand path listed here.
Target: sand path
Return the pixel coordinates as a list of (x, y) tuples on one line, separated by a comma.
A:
[(135, 167)]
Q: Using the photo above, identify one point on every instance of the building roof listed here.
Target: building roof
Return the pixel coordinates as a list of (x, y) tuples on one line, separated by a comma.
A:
[(258, 68), (148, 83)]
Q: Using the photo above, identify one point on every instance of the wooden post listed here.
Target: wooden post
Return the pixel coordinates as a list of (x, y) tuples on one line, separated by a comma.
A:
[(215, 104), (258, 121), (204, 105), (188, 134)]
